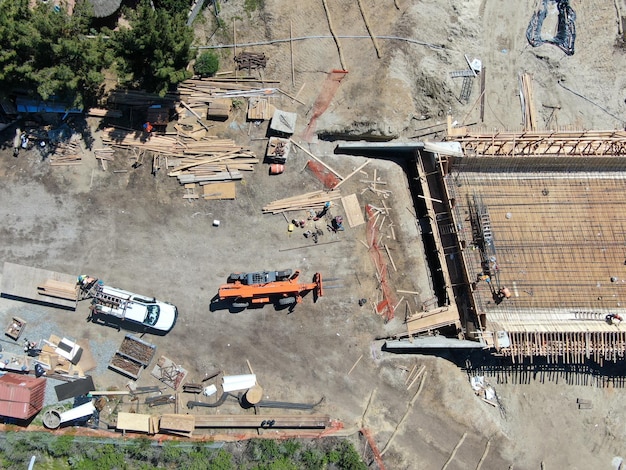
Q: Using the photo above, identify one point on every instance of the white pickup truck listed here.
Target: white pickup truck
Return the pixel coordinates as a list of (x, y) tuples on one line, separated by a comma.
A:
[(149, 313)]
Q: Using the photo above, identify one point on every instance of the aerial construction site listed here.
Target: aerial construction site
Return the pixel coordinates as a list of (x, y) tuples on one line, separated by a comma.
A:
[(397, 224)]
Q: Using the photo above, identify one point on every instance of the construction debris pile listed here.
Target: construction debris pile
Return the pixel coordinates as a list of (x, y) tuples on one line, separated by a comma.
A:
[(67, 153)]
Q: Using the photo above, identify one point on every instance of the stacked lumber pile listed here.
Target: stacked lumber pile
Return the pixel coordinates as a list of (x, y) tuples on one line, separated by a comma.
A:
[(67, 153), (104, 112), (61, 290), (211, 159), (260, 109), (199, 92), (309, 201), (219, 108), (177, 424), (137, 98), (251, 60), (126, 139), (191, 160)]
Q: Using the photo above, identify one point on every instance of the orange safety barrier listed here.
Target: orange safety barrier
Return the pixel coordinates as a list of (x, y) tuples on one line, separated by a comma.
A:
[(323, 174), (327, 93), (386, 306)]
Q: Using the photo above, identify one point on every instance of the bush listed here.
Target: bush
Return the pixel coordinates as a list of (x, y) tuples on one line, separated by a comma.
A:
[(207, 64)]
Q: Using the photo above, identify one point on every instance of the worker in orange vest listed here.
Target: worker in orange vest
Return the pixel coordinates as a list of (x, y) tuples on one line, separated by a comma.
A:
[(148, 127)]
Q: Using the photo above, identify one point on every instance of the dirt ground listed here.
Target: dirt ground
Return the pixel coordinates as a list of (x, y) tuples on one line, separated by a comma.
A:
[(135, 231)]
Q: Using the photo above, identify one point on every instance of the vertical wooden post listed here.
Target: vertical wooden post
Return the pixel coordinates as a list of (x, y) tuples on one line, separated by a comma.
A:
[(235, 45), (293, 73)]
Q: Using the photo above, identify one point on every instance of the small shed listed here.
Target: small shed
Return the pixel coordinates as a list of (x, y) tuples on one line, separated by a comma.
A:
[(21, 396), (158, 115)]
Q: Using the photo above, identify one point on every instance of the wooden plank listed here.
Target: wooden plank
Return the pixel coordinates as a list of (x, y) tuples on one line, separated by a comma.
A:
[(353, 211), (226, 190), (177, 422), (443, 316), (343, 180), (20, 283), (133, 422), (280, 421)]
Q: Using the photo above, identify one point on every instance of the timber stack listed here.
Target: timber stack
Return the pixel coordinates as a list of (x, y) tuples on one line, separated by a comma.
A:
[(310, 201), (191, 161), (251, 60)]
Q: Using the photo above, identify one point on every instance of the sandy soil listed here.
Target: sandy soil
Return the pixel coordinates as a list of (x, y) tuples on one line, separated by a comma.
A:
[(135, 231)]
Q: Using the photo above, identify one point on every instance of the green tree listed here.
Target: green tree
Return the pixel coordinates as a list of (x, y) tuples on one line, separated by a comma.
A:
[(50, 52), (221, 460), (155, 51), (173, 6), (206, 64)]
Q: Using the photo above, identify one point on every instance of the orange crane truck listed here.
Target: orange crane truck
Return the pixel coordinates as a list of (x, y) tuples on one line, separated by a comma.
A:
[(280, 287)]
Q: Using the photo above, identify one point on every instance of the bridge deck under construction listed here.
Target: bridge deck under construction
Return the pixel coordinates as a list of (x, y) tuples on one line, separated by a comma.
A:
[(552, 230)]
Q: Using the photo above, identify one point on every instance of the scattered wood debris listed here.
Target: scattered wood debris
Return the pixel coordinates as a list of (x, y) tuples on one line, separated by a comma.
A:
[(67, 153)]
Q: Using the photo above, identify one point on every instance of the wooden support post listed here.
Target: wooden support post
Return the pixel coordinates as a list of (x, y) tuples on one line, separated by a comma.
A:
[(483, 78), (355, 364), (417, 376), (299, 91), (406, 414), (408, 377), (484, 456), (451, 458), (293, 73), (294, 98), (390, 258), (332, 32)]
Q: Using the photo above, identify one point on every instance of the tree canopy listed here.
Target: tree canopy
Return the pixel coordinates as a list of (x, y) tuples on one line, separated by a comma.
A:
[(155, 51), (48, 53)]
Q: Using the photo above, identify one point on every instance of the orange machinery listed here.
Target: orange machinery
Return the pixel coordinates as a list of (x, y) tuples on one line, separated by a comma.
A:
[(281, 290)]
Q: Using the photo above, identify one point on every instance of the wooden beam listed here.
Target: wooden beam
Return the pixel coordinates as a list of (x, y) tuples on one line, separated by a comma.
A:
[(317, 159), (343, 180), (369, 29), (293, 73), (456, 448), (332, 32)]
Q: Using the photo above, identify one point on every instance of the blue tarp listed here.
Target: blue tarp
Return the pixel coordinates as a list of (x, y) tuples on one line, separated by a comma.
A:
[(28, 105)]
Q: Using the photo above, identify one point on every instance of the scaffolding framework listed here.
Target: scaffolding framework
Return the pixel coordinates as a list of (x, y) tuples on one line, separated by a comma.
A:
[(585, 143)]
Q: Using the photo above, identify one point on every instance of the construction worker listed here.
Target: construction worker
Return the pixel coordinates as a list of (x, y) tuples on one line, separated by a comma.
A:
[(613, 319), (147, 127)]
